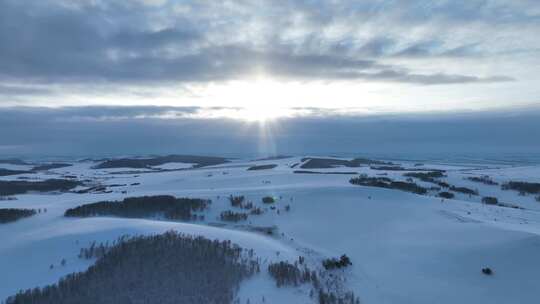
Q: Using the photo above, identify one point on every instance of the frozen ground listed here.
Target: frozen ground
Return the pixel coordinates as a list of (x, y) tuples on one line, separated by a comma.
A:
[(405, 248)]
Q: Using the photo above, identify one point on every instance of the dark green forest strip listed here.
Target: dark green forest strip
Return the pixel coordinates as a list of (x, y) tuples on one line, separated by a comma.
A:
[(170, 207), (170, 268)]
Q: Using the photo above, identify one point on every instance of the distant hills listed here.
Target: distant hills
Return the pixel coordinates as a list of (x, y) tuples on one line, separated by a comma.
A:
[(199, 161), (327, 163), (13, 161)]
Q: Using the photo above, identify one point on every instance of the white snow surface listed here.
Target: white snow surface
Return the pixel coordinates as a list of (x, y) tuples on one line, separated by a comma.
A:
[(15, 167), (174, 166), (405, 248)]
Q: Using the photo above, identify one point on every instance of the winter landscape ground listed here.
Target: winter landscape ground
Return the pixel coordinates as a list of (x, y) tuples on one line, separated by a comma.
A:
[(479, 244)]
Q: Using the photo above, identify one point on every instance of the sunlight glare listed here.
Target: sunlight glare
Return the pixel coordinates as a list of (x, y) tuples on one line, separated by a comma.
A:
[(259, 100)]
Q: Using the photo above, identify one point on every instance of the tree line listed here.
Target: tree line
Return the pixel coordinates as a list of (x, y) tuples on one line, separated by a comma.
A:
[(20, 187), (484, 179), (333, 263), (231, 216), (168, 206), (170, 268), (237, 201), (522, 187), (287, 274), (9, 215), (385, 182)]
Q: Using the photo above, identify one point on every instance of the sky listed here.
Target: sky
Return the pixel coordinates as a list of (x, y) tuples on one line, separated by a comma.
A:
[(244, 64)]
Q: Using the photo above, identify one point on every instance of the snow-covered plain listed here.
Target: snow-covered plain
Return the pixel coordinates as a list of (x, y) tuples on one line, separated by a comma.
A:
[(405, 248)]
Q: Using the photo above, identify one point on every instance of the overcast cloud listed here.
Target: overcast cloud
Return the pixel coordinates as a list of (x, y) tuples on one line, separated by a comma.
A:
[(138, 43)]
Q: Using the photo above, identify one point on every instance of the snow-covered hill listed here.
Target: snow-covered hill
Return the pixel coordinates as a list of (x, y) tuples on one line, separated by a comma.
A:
[(405, 248)]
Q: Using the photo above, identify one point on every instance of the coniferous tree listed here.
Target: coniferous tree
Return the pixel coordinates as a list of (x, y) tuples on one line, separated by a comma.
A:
[(8, 215), (169, 207), (170, 268)]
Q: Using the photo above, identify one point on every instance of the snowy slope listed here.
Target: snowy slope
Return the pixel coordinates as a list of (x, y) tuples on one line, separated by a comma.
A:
[(405, 248)]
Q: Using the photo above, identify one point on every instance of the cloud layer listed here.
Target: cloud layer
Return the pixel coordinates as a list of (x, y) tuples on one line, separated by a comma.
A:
[(102, 131), (200, 41), (59, 52)]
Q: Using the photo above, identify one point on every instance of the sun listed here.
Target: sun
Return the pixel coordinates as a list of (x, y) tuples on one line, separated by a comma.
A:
[(263, 98), (256, 100)]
